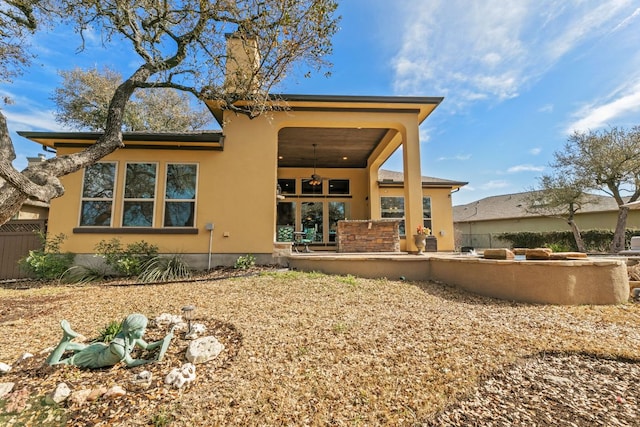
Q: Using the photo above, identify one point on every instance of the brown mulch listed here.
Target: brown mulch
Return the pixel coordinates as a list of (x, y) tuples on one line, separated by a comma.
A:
[(309, 349)]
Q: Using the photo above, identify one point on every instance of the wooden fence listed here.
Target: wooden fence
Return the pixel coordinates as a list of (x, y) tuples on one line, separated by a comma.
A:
[(17, 238)]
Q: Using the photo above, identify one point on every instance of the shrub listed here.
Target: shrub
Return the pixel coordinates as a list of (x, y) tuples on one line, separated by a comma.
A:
[(245, 262), (48, 263), (164, 269), (84, 274), (126, 261)]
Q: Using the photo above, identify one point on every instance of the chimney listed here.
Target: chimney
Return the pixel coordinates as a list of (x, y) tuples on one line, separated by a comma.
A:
[(243, 62)]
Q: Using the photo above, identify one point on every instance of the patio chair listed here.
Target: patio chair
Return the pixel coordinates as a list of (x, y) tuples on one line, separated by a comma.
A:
[(304, 238), (285, 233)]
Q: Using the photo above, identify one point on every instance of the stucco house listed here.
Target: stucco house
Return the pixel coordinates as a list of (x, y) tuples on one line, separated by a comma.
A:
[(477, 223), (215, 195)]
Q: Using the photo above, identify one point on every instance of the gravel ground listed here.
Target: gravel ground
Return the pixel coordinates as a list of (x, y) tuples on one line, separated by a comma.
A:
[(309, 349)]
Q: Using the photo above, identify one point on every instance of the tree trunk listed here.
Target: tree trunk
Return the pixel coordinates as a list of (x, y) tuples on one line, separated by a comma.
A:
[(577, 236), (618, 243)]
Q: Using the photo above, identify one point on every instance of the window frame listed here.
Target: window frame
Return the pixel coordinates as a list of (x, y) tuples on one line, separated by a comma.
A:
[(166, 200), (111, 200), (151, 200)]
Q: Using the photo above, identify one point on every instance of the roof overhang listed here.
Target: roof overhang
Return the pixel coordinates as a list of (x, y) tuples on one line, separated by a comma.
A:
[(205, 140), (341, 147)]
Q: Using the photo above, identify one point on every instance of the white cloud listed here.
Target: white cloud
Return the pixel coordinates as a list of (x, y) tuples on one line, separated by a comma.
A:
[(525, 168), (625, 100), (32, 120), (546, 108), (494, 184), (457, 157), (535, 151), (500, 47)]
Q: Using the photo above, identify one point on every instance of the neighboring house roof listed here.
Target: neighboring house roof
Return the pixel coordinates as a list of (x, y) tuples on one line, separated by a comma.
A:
[(393, 178), (514, 206)]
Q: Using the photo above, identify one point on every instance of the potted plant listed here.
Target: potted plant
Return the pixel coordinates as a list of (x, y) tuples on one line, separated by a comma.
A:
[(420, 238)]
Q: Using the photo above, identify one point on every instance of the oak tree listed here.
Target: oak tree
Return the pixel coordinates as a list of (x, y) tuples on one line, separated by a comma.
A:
[(608, 161), (82, 102), (180, 44)]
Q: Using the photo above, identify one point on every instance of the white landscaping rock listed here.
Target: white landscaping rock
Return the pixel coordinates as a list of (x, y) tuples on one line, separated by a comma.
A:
[(180, 376), (166, 319), (80, 396), (204, 349), (59, 395), (142, 380), (6, 388), (4, 368)]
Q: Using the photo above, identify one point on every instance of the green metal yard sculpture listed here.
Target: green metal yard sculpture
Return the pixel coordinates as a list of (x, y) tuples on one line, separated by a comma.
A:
[(99, 355)]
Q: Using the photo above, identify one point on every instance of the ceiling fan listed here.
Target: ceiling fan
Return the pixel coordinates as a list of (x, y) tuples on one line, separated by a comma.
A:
[(315, 178)]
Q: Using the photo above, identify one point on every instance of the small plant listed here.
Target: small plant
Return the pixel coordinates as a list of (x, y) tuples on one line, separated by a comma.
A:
[(244, 262), (81, 274), (558, 247), (162, 419), (109, 332), (49, 262), (164, 269), (127, 261)]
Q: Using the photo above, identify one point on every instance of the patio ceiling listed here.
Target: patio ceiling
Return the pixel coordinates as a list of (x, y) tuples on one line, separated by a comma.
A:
[(295, 146)]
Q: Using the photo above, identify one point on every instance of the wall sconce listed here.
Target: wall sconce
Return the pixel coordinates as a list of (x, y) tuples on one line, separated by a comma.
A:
[(442, 232), (187, 312)]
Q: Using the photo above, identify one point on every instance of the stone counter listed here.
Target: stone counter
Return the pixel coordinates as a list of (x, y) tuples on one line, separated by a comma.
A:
[(381, 235)]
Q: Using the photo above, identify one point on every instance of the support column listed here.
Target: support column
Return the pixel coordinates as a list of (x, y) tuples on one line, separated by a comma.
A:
[(412, 184)]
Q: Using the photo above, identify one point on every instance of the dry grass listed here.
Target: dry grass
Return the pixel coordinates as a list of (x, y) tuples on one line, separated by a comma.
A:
[(319, 350)]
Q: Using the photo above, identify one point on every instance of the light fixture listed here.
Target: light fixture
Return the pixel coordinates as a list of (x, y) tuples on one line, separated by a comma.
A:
[(187, 312), (315, 178)]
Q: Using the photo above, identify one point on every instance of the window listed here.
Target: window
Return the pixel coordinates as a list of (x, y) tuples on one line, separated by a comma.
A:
[(287, 186), (307, 188), (97, 194), (180, 195), (393, 207), (139, 195), (339, 186), (426, 212), (337, 212)]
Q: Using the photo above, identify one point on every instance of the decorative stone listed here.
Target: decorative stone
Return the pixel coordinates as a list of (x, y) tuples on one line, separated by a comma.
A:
[(498, 254), (142, 380), (538, 253), (166, 319), (79, 397), (567, 255), (59, 395), (96, 393), (24, 357), (4, 368), (204, 349), (114, 392), (181, 376), (6, 388)]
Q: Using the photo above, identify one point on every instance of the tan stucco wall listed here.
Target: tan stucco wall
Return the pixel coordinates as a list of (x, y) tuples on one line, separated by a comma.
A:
[(237, 186), (589, 281), (585, 221), (441, 214)]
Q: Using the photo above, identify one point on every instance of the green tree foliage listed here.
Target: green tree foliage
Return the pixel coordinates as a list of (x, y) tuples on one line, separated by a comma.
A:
[(608, 161), (559, 196), (83, 99)]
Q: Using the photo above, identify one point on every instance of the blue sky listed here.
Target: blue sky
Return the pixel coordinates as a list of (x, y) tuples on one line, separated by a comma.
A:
[(518, 76)]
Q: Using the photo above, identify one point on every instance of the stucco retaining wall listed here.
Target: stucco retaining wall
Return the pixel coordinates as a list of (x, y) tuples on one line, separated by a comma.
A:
[(575, 282)]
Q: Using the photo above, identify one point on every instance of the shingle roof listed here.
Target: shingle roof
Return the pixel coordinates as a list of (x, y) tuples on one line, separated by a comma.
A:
[(387, 176), (514, 206)]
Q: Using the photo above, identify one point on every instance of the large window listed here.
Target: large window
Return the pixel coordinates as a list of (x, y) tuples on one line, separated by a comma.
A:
[(97, 194), (393, 207), (180, 195), (139, 195)]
